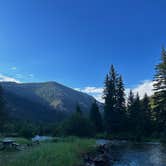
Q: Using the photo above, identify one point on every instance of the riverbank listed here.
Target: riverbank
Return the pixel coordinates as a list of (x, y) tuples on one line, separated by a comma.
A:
[(100, 157), (68, 152), (130, 137), (114, 152)]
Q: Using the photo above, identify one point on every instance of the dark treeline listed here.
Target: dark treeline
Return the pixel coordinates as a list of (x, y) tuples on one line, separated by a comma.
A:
[(124, 116), (136, 117)]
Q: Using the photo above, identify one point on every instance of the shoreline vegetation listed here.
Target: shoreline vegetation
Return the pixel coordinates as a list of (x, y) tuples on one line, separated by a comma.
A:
[(65, 152), (70, 151)]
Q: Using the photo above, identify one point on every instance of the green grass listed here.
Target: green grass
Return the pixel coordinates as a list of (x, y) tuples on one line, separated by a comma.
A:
[(68, 153)]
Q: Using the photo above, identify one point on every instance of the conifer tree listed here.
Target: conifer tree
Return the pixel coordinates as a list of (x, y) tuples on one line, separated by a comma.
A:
[(134, 112), (120, 104), (130, 107), (110, 101), (130, 101), (95, 117), (160, 93), (78, 125), (136, 117), (147, 119)]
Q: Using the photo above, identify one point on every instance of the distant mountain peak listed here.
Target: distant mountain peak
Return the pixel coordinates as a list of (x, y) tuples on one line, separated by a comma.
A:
[(47, 99)]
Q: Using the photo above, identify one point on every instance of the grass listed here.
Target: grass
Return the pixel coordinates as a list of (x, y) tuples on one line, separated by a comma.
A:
[(66, 153)]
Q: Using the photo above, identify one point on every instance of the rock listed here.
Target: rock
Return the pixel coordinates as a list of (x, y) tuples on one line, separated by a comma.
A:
[(88, 164), (101, 158)]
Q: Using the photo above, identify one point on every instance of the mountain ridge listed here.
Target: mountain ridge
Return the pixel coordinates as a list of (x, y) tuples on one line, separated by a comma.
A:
[(43, 101)]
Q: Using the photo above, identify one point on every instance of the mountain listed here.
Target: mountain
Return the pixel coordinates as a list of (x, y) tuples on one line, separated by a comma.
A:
[(43, 102)]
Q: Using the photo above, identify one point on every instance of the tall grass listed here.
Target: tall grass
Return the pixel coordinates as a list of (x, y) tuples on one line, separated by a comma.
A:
[(68, 153)]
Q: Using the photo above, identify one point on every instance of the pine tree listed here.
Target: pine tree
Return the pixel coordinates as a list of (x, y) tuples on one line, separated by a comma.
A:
[(120, 104), (130, 108), (107, 106), (95, 117), (130, 101), (136, 117), (160, 93), (78, 125), (134, 112), (110, 101), (147, 119)]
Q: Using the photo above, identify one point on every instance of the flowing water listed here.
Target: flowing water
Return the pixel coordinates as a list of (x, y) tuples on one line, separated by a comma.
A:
[(140, 154)]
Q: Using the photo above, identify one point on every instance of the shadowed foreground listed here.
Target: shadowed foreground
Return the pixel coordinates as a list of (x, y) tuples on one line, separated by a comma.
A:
[(67, 153)]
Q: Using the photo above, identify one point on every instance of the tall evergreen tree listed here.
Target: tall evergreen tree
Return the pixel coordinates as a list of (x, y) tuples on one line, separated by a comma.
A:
[(160, 93), (130, 108), (130, 101), (135, 115), (120, 104), (78, 125), (110, 101), (147, 113), (95, 117), (138, 119)]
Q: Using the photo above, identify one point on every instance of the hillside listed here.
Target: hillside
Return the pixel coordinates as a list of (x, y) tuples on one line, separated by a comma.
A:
[(49, 101)]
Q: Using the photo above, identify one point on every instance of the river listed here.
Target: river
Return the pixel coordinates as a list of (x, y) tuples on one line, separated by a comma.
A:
[(138, 154)]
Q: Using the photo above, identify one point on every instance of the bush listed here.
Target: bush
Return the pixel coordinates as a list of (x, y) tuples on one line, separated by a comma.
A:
[(27, 130), (78, 125)]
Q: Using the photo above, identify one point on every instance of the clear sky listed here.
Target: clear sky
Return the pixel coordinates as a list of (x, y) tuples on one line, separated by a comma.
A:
[(74, 42)]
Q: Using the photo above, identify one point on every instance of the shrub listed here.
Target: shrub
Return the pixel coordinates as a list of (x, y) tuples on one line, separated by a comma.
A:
[(78, 125)]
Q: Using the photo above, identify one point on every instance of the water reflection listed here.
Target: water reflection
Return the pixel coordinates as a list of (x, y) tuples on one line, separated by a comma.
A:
[(142, 154)]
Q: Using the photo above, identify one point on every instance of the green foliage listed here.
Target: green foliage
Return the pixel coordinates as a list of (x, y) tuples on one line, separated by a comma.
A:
[(95, 118), (160, 93), (135, 120), (130, 108), (27, 130), (120, 105), (110, 100), (78, 125), (147, 116), (139, 116), (114, 96), (68, 153), (136, 117)]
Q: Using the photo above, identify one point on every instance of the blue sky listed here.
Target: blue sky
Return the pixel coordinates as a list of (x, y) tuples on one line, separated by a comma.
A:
[(75, 42)]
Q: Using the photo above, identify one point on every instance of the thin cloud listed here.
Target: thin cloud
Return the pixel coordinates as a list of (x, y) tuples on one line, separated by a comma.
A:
[(19, 76), (99, 97), (145, 87), (4, 78), (92, 90), (13, 68), (31, 75), (142, 88), (96, 92)]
